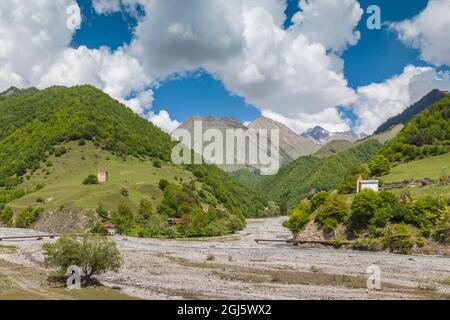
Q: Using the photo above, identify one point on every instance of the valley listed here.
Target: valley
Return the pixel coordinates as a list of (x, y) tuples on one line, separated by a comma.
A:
[(235, 267)]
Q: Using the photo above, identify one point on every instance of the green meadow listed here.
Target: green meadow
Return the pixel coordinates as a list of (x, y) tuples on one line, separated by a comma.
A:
[(425, 168), (62, 178)]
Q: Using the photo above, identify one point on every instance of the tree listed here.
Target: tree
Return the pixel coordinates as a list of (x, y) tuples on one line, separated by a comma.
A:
[(334, 210), (122, 218), (363, 209), (145, 211), (91, 180), (299, 217), (93, 254), (318, 199), (6, 216), (27, 217), (379, 165)]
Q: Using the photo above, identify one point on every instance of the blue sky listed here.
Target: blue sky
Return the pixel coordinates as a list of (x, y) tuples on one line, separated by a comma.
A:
[(378, 56)]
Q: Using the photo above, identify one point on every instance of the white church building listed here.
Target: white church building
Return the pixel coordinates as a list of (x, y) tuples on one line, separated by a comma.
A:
[(362, 184)]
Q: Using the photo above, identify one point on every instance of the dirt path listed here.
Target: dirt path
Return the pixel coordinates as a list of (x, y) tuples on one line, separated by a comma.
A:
[(236, 267)]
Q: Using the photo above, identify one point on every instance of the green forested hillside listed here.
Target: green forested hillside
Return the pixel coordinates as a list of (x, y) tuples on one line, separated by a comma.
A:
[(426, 135), (410, 112), (310, 174), (51, 140), (31, 126)]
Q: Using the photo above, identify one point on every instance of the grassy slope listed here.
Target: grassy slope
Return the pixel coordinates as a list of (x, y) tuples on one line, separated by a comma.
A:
[(32, 126), (425, 168), (333, 147), (63, 186)]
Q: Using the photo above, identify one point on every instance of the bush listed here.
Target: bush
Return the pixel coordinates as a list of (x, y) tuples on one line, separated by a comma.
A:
[(27, 217), (367, 245), (332, 212), (362, 210), (318, 199), (6, 215), (157, 163), (426, 212), (93, 254), (398, 239), (102, 213), (124, 191), (163, 184), (442, 231), (379, 165), (122, 218), (60, 151), (91, 180), (299, 217), (99, 229)]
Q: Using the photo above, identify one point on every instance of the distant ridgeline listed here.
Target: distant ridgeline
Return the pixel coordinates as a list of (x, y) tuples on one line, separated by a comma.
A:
[(426, 135), (34, 124), (406, 116)]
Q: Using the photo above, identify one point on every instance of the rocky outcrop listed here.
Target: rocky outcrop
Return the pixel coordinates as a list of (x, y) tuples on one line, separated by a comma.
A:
[(63, 220)]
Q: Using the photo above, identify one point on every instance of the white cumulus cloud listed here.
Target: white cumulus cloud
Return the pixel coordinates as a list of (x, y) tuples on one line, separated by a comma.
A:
[(32, 35), (429, 32), (163, 121), (243, 44), (379, 101), (116, 73)]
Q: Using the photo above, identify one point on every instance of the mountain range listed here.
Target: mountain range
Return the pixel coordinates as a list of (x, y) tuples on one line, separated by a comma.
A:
[(292, 145), (322, 136)]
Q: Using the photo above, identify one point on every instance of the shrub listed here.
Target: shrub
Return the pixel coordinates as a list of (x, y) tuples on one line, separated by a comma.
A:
[(398, 239), (27, 217), (99, 229), (157, 163), (379, 165), (60, 151), (6, 215), (442, 231), (369, 244), (102, 213), (299, 217), (163, 184), (122, 218), (124, 191), (362, 210), (333, 211), (82, 142), (93, 254), (91, 180), (318, 199), (425, 212)]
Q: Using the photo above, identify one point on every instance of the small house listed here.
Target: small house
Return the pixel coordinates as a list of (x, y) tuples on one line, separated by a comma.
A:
[(111, 229), (362, 184), (102, 176)]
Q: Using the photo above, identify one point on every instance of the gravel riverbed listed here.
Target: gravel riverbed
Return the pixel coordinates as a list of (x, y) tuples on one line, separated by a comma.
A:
[(236, 267)]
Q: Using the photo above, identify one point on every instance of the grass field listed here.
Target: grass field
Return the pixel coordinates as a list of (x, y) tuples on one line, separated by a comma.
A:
[(425, 168), (63, 185)]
